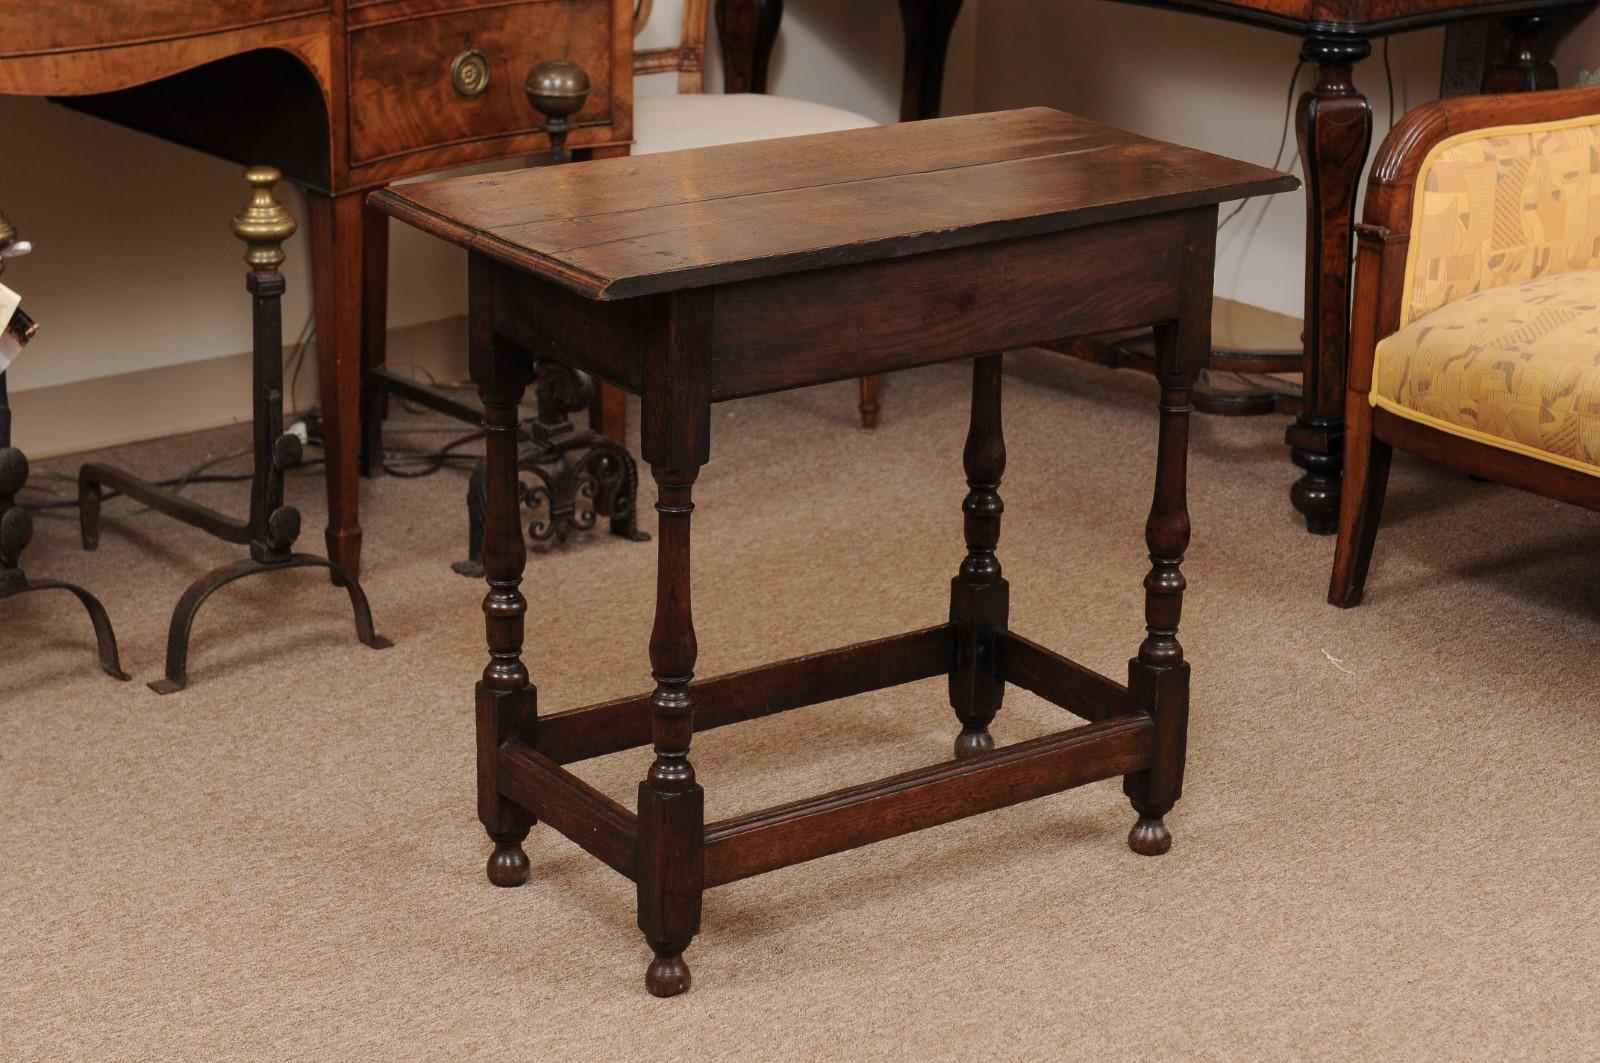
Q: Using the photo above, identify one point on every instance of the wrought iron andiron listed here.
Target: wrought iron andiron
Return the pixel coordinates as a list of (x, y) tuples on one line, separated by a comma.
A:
[(16, 524), (270, 532)]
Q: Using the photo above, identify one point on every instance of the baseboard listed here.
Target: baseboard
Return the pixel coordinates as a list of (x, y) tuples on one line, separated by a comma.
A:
[(128, 407)]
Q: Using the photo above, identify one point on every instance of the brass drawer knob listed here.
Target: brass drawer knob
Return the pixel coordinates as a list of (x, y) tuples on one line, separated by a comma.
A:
[(469, 73)]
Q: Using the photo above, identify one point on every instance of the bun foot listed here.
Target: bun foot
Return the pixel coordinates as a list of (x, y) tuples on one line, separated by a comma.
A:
[(1149, 836), (973, 741), (667, 976), (508, 865)]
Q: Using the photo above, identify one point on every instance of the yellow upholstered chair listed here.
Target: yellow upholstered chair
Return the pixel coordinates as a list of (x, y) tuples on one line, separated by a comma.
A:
[(1475, 340), (671, 113)]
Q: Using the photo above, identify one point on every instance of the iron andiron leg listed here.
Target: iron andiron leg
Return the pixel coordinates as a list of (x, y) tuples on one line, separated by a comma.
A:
[(273, 527)]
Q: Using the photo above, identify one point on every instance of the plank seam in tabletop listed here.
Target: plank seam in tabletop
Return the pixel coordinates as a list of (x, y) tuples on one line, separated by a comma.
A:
[(945, 156), (1042, 193)]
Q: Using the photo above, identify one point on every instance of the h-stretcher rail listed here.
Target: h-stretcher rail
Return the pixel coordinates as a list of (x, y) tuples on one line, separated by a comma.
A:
[(1118, 740)]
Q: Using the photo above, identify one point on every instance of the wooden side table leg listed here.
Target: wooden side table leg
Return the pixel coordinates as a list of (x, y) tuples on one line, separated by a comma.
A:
[(1334, 127), (506, 700), (979, 596), (671, 803), (675, 440), (1158, 678)]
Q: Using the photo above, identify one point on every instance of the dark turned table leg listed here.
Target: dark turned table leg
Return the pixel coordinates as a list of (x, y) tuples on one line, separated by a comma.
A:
[(506, 700), (979, 596), (1158, 678), (676, 441), (1521, 69), (1334, 128)]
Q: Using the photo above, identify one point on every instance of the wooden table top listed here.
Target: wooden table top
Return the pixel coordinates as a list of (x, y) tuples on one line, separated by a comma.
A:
[(619, 228)]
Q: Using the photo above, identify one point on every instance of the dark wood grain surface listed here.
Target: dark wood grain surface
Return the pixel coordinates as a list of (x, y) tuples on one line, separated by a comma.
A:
[(619, 228)]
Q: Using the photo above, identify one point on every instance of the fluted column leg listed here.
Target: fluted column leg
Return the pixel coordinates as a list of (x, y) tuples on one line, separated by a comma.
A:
[(979, 596)]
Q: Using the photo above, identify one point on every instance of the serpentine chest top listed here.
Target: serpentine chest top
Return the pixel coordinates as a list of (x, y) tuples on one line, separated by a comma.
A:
[(342, 96)]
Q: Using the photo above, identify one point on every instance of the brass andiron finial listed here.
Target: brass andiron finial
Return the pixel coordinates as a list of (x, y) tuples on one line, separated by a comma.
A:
[(263, 223), (558, 89)]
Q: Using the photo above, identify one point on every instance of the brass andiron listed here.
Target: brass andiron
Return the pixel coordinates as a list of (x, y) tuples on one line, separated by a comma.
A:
[(272, 528), (16, 524), (573, 476)]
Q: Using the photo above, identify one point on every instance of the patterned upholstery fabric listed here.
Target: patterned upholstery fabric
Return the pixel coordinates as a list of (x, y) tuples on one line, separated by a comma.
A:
[(1498, 206), (1516, 366)]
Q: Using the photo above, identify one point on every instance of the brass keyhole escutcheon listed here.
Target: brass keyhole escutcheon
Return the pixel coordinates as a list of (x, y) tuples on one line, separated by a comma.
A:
[(469, 73)]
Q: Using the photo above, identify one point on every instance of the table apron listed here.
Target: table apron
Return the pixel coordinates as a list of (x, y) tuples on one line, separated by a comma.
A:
[(809, 328)]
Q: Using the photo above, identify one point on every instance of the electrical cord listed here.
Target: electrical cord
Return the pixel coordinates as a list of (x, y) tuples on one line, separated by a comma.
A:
[(399, 461), (1283, 138)]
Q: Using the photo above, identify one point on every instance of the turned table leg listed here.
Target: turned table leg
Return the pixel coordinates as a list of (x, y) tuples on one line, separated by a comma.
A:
[(1158, 678), (506, 701), (979, 596), (1334, 128), (675, 440)]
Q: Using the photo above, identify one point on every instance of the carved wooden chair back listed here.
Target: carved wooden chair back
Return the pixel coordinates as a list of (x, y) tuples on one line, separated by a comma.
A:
[(661, 48)]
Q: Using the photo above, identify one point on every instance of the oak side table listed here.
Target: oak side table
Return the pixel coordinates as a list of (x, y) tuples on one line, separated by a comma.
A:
[(700, 276)]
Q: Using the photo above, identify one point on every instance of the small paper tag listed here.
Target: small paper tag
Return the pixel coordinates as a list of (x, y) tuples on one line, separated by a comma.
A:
[(17, 330)]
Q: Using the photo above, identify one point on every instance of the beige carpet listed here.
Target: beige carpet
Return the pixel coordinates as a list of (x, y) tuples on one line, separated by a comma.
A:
[(1385, 850)]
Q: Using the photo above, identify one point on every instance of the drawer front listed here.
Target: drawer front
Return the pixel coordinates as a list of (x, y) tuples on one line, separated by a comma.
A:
[(404, 93)]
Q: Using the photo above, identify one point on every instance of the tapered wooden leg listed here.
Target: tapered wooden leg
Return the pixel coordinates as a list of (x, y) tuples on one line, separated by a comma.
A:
[(1334, 127), (871, 387), (337, 271), (507, 703), (374, 334), (1366, 478), (671, 803), (1158, 678), (979, 596)]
